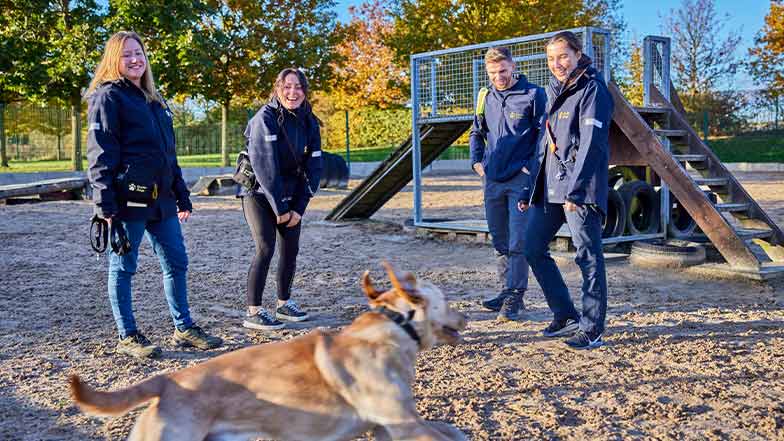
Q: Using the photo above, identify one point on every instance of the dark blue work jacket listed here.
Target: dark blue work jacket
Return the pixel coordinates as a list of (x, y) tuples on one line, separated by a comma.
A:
[(503, 137), (287, 181), (579, 113), (123, 129)]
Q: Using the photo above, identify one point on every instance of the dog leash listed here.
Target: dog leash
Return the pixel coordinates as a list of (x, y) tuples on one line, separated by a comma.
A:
[(402, 320), (103, 235)]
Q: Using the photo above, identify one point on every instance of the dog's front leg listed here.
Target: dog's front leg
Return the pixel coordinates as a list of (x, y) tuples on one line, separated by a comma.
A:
[(419, 431)]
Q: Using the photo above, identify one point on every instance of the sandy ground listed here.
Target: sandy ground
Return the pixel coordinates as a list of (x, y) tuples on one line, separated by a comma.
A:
[(686, 357)]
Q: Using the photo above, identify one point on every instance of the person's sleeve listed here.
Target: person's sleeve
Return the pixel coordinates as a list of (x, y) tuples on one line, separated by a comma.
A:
[(314, 165), (477, 138), (262, 150), (181, 192), (595, 114), (533, 164), (103, 151)]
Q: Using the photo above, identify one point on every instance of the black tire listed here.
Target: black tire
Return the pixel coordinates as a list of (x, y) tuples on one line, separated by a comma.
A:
[(681, 225), (335, 171), (642, 207), (669, 254), (615, 220)]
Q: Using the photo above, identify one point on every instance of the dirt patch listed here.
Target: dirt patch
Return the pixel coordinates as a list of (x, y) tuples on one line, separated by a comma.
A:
[(686, 357)]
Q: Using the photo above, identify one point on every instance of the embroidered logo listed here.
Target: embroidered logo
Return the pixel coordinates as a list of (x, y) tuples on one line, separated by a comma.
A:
[(563, 115), (515, 115)]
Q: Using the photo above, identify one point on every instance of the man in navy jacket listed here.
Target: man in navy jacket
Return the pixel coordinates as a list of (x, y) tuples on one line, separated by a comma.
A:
[(570, 185), (503, 140)]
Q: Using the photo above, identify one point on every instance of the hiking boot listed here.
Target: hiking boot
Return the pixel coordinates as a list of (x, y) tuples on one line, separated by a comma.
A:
[(494, 304), (584, 340), (138, 346), (196, 337), (560, 328), (263, 321), (511, 307), (290, 311)]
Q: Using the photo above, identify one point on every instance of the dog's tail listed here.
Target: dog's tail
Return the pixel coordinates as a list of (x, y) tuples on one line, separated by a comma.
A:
[(117, 402)]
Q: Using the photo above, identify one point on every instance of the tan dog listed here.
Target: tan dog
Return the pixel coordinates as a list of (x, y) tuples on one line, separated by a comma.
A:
[(321, 386)]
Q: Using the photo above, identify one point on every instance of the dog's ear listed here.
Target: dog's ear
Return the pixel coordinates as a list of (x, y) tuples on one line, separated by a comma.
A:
[(404, 283), (367, 286)]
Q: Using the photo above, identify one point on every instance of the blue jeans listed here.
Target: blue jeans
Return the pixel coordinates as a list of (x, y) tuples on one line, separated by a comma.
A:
[(507, 226), (167, 243), (585, 225)]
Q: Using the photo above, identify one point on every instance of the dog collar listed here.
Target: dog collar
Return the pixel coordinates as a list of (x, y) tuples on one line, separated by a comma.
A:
[(402, 321)]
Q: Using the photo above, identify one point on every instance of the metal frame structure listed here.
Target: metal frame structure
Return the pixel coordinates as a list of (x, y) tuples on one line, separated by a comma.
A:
[(445, 83)]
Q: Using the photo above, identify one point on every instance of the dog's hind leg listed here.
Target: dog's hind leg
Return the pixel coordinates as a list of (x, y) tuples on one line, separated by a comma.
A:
[(419, 431), (448, 430), (155, 424)]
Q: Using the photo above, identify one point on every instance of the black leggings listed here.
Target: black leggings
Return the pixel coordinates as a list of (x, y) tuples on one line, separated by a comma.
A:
[(264, 229)]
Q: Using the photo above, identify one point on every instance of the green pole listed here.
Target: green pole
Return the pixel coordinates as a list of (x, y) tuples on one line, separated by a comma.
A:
[(776, 121), (3, 156), (705, 126), (348, 147)]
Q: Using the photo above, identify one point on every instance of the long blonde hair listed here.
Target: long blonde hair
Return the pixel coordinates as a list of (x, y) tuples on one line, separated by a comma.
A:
[(109, 67)]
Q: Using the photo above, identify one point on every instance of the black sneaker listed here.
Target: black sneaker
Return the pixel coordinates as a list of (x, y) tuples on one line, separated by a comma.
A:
[(262, 320), (559, 328), (196, 337), (494, 303), (582, 340), (510, 309), (290, 311), (138, 346)]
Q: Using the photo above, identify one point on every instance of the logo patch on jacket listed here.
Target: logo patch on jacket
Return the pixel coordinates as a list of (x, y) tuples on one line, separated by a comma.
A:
[(515, 115), (564, 115)]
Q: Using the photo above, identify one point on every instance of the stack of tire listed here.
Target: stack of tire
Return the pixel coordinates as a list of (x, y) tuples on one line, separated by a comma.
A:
[(632, 208), (335, 172)]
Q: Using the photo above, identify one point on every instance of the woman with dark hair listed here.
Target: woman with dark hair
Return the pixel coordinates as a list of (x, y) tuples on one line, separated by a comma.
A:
[(570, 186), (130, 146), (284, 146)]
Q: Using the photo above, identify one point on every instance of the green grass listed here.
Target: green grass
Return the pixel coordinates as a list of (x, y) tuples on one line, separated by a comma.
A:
[(750, 147)]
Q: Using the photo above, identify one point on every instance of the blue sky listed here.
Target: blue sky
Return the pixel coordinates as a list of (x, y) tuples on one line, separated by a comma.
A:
[(643, 18)]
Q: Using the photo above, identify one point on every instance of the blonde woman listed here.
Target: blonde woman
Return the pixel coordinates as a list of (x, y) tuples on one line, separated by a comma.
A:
[(138, 185)]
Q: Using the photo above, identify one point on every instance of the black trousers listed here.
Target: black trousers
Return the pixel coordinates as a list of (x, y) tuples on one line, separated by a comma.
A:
[(266, 232)]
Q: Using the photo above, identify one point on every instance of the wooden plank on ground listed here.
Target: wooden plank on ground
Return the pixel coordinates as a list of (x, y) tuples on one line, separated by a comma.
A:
[(41, 187)]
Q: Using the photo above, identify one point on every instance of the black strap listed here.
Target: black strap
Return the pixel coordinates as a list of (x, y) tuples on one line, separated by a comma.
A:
[(300, 166), (403, 321), (101, 235)]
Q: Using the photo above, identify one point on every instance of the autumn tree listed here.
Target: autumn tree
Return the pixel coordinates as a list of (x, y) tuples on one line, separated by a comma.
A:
[(632, 84), (767, 64), (367, 74)]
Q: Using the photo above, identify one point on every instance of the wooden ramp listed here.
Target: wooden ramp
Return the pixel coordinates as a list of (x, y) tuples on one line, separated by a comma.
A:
[(736, 222), (396, 171), (43, 188)]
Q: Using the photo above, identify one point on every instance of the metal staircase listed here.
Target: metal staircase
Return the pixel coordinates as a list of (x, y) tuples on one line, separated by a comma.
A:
[(736, 222)]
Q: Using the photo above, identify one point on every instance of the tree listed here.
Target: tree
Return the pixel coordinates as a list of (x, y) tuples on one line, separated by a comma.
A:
[(632, 82), (239, 47), (425, 25), (767, 65), (367, 74), (700, 60), (73, 33), (21, 58)]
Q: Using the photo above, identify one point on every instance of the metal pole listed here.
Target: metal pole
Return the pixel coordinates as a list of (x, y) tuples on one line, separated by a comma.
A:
[(433, 91), (348, 147), (416, 159), (705, 126), (776, 121)]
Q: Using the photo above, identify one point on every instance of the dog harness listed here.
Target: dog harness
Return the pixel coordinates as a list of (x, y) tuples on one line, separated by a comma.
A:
[(402, 320)]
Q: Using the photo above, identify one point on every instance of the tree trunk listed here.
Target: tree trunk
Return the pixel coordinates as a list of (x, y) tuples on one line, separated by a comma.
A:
[(3, 155), (76, 132), (224, 134)]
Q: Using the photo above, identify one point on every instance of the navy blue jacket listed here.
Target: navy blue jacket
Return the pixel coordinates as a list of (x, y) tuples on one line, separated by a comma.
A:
[(273, 162), (505, 138), (579, 114), (124, 129)]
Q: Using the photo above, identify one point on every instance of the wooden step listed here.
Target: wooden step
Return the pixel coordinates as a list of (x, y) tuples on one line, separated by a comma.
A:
[(690, 158), (711, 181), (732, 207), (671, 133), (652, 111), (743, 233)]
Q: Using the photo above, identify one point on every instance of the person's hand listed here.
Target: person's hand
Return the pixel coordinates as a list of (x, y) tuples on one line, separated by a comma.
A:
[(283, 218), (522, 206), (183, 216), (570, 206), (295, 218), (108, 220), (479, 169)]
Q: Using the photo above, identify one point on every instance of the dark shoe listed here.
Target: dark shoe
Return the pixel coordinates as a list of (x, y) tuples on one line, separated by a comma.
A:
[(138, 346), (583, 340), (196, 337), (510, 309), (560, 328), (290, 311), (263, 320), (494, 304)]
